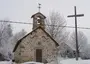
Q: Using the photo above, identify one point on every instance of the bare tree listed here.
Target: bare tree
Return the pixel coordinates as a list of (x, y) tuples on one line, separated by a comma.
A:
[(5, 35), (55, 26), (82, 40), (16, 37)]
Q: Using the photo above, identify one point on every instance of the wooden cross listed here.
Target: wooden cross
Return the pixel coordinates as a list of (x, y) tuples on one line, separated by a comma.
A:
[(39, 6), (76, 15)]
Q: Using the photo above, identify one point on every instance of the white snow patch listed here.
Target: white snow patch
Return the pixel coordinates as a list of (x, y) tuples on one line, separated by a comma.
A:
[(32, 63), (5, 62), (73, 61)]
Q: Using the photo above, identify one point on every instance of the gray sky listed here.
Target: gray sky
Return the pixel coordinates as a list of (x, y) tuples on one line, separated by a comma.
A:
[(21, 10)]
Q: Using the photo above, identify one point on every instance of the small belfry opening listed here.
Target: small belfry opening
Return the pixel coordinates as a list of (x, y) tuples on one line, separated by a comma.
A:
[(38, 20)]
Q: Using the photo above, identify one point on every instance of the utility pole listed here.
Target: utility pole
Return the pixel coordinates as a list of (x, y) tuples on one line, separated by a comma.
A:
[(76, 34)]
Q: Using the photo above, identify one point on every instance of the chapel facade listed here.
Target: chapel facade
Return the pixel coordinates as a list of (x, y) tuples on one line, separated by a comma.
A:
[(37, 45)]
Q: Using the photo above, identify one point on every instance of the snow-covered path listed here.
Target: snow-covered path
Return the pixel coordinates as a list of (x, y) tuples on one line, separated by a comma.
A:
[(73, 61)]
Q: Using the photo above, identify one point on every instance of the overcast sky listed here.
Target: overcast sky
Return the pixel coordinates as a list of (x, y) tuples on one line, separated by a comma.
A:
[(22, 10)]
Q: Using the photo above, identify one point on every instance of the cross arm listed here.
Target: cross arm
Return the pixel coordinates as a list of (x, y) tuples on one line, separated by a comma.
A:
[(78, 15)]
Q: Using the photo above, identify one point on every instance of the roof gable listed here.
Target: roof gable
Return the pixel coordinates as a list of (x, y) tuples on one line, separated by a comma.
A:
[(31, 33), (38, 13)]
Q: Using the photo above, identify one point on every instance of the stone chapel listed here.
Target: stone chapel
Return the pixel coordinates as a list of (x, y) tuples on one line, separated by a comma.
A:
[(37, 45)]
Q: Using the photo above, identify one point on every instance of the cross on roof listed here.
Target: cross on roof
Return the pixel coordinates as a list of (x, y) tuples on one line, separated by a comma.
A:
[(39, 6)]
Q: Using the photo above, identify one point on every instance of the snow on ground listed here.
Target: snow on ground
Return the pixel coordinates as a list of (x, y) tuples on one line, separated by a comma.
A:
[(32, 63), (73, 61), (66, 61), (5, 62)]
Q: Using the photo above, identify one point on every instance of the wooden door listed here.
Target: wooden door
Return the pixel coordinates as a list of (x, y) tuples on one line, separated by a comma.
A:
[(38, 55)]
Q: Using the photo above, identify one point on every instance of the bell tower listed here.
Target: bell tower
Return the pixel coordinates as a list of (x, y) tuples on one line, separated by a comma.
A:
[(38, 19)]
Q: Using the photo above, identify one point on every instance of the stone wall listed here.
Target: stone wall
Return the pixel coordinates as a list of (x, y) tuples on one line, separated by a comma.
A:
[(38, 39)]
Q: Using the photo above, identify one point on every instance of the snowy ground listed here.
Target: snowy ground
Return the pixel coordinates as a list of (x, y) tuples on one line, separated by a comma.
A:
[(66, 61), (73, 61), (5, 62)]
